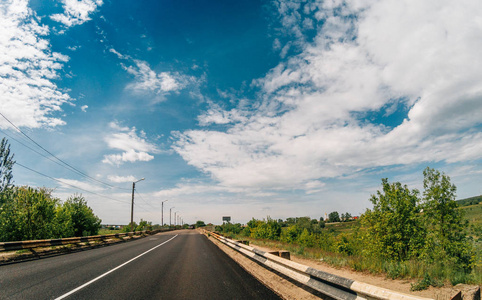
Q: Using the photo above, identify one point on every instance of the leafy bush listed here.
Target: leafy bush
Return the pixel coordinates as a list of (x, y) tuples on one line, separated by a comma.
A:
[(267, 230), (31, 214)]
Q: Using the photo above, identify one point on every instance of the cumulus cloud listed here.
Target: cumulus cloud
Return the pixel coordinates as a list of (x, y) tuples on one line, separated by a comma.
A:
[(134, 147), (378, 58), (217, 115), (28, 68), (119, 179), (76, 12), (151, 83)]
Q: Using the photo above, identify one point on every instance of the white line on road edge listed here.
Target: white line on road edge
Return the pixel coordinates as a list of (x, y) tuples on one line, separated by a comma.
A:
[(106, 273)]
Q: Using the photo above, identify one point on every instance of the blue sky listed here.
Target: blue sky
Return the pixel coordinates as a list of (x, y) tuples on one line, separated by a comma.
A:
[(240, 108)]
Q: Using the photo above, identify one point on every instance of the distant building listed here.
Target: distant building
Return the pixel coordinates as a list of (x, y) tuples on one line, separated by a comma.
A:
[(108, 226)]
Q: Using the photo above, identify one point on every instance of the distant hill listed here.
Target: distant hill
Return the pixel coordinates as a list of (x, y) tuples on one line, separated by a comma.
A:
[(469, 201)]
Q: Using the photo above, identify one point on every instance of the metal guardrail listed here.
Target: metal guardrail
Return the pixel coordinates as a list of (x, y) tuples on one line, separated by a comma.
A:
[(334, 286), (12, 246)]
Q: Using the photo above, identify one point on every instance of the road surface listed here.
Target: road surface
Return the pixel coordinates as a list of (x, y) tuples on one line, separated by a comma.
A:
[(172, 265)]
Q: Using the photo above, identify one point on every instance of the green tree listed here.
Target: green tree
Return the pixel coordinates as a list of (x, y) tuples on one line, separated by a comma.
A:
[(129, 226), (269, 229), (334, 217), (83, 220), (290, 221), (144, 225), (6, 165), (321, 224), (393, 226), (33, 214), (291, 234), (9, 230), (446, 227), (63, 223), (346, 217), (200, 224), (304, 223), (306, 238)]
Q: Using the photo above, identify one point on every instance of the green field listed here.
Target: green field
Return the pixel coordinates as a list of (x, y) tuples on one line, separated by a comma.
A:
[(341, 227), (473, 213)]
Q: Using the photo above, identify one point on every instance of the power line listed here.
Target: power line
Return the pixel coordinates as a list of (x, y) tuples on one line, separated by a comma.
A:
[(71, 185), (41, 154), (138, 194), (64, 164)]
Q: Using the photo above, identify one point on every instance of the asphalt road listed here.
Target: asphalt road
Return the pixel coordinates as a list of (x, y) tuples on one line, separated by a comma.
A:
[(173, 265)]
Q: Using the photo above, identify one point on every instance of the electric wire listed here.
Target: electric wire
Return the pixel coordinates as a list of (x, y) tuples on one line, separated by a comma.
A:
[(64, 164), (142, 198), (71, 185), (41, 154)]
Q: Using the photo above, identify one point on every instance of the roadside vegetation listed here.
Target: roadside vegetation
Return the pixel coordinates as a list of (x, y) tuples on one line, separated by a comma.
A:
[(406, 234), (28, 213)]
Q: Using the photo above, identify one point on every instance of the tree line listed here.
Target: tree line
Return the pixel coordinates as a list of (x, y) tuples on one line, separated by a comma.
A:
[(28, 213)]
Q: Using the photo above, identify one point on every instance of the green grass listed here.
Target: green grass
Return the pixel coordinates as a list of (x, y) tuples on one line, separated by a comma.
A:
[(473, 213), (23, 251), (108, 231), (340, 227)]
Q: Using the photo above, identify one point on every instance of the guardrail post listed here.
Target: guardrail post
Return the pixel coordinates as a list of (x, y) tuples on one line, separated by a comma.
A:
[(285, 254)]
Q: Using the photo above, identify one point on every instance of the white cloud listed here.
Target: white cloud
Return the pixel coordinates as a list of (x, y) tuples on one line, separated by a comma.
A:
[(84, 108), (216, 115), (70, 183), (112, 50), (28, 68), (128, 156), (76, 12), (150, 82), (119, 179), (134, 147), (366, 58)]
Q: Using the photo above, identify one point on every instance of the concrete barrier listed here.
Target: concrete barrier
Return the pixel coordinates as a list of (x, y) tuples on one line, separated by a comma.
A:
[(331, 285), (20, 245)]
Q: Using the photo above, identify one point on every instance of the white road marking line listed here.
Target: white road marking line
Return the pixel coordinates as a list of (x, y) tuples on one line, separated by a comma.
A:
[(106, 273)]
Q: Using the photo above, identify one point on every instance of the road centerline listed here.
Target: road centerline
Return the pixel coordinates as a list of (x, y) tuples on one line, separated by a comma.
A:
[(110, 271)]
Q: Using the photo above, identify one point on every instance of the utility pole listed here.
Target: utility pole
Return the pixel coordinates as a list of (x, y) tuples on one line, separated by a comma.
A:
[(170, 213), (132, 203), (162, 212)]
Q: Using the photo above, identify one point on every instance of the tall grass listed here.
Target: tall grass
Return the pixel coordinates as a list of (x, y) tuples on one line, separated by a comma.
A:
[(435, 274)]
